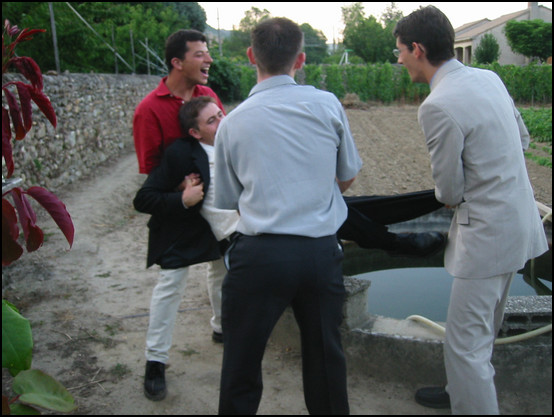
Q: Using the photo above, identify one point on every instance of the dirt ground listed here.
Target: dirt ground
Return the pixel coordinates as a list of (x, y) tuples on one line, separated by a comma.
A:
[(89, 306)]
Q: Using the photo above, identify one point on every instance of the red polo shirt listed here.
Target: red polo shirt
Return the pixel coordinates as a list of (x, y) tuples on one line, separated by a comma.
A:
[(156, 123)]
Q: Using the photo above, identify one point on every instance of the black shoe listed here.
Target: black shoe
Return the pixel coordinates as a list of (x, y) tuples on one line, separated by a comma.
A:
[(154, 381), (217, 337), (433, 397), (418, 244)]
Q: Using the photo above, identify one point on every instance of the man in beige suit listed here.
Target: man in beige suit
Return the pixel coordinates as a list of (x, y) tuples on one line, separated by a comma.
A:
[(476, 138)]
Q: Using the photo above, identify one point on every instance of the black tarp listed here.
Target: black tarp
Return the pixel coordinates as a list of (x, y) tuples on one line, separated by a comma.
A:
[(368, 216)]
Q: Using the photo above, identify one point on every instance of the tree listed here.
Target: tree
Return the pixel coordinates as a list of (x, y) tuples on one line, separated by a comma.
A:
[(367, 37), (531, 38), (391, 15), (191, 12), (488, 50), (235, 45), (82, 50), (252, 17), (315, 44), (353, 14)]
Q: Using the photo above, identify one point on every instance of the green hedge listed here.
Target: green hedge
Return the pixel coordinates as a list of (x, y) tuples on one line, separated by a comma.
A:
[(530, 84), (539, 123), (377, 82), (527, 84)]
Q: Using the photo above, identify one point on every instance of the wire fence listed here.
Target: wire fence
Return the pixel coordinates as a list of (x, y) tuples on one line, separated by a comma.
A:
[(154, 64)]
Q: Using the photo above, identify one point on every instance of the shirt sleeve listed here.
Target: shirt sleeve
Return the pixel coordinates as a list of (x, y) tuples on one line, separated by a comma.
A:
[(227, 187), (445, 142), (349, 162)]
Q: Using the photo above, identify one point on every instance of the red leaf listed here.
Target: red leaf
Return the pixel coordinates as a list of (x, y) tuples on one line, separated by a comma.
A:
[(25, 101), (8, 214), (29, 68), (27, 216), (7, 142), (56, 209), (11, 250), (27, 219), (15, 114), (44, 105), (12, 30), (35, 238), (27, 35)]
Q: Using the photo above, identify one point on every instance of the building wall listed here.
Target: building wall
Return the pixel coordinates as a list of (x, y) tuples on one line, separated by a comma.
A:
[(507, 56), (465, 51)]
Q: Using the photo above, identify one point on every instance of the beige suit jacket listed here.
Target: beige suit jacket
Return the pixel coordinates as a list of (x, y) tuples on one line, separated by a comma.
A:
[(476, 138)]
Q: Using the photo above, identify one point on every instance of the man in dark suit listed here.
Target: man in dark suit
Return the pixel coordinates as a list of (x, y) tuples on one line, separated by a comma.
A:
[(175, 194)]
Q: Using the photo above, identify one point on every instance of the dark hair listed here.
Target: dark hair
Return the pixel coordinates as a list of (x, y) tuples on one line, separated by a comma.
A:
[(189, 112), (431, 28), (276, 43), (176, 44)]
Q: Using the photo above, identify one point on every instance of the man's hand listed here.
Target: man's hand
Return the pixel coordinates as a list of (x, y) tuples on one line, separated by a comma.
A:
[(344, 185), (193, 190)]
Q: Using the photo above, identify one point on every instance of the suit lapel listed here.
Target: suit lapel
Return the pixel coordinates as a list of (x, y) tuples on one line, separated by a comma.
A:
[(200, 160)]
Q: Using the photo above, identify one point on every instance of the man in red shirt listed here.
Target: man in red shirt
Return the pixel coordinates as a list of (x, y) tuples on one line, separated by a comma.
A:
[(156, 126), (156, 121)]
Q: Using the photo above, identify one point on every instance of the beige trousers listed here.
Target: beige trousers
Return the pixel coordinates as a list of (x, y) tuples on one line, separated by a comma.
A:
[(475, 315), (166, 298)]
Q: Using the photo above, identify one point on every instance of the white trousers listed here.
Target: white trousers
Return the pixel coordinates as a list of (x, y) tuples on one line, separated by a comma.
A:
[(475, 315), (216, 273), (164, 305)]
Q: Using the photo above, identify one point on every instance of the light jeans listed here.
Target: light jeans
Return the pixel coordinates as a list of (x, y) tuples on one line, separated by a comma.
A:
[(164, 305), (475, 315)]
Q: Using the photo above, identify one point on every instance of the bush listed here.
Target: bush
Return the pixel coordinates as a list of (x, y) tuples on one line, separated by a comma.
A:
[(226, 80), (248, 79), (539, 123), (334, 80), (488, 50), (387, 82), (313, 75), (527, 84)]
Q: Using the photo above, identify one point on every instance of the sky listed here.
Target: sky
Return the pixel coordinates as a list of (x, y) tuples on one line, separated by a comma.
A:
[(327, 16)]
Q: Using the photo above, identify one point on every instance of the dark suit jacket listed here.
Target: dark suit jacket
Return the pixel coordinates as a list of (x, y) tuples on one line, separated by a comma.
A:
[(178, 236)]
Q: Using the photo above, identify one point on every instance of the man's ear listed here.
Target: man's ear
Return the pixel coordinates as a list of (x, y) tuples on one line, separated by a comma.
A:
[(300, 61), (250, 55), (176, 63), (195, 133), (419, 52)]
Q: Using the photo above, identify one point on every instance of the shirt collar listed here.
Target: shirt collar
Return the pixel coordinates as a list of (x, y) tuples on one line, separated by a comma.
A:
[(275, 81), (162, 89)]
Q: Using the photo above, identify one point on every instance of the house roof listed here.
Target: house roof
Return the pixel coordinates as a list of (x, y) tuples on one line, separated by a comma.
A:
[(471, 30), (472, 25)]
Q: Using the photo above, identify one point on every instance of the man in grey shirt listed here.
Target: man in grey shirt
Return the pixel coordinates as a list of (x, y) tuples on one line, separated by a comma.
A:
[(283, 158)]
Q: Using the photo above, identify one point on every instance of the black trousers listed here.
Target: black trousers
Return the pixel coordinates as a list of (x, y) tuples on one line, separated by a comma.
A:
[(369, 215), (268, 273)]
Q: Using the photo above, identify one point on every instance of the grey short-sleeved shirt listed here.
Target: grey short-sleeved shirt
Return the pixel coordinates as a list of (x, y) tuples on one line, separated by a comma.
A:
[(277, 158)]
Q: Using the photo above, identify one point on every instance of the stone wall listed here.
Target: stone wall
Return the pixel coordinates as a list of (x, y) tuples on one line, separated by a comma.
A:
[(94, 115)]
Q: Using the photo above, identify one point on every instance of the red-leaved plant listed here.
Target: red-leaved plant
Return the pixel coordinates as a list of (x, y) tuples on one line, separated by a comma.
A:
[(18, 116)]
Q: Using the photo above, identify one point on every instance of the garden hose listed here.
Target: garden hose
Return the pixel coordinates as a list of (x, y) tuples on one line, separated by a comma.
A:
[(501, 341)]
